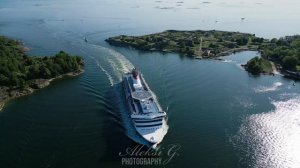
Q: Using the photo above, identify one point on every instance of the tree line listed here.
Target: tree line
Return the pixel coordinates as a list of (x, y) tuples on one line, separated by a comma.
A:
[(17, 69), (285, 51)]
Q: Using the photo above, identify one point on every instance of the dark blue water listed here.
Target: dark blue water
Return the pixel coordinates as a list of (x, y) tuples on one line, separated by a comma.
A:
[(219, 114)]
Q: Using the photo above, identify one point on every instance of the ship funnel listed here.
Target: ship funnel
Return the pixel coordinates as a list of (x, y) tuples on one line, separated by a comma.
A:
[(135, 73)]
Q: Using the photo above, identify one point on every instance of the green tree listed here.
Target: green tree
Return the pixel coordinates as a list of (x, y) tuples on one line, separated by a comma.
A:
[(242, 41), (290, 62), (3, 80), (254, 66)]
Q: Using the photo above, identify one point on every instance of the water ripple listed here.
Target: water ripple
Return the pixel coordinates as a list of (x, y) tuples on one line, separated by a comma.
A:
[(272, 139)]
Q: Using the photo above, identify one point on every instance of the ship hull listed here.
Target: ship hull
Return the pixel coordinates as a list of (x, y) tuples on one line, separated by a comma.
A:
[(149, 121)]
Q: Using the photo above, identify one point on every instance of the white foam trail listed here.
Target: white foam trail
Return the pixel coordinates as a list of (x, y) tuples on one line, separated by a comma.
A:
[(263, 89), (273, 139), (117, 62), (110, 78), (123, 62), (111, 81), (227, 61), (126, 66), (113, 63)]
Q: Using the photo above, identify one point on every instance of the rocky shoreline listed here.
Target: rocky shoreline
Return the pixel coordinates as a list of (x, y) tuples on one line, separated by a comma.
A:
[(7, 94)]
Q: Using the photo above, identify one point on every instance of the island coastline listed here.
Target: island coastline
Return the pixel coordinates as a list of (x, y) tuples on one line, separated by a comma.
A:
[(213, 44), (195, 44), (22, 75), (40, 83)]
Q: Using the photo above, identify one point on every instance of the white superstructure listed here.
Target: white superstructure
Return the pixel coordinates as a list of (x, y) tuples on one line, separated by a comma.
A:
[(149, 120)]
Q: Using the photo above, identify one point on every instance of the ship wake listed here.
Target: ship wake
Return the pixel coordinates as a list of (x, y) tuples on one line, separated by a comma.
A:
[(262, 89), (113, 64)]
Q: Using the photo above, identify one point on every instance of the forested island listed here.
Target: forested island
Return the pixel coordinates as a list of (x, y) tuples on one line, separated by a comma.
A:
[(283, 53), (258, 65), (21, 74), (198, 44)]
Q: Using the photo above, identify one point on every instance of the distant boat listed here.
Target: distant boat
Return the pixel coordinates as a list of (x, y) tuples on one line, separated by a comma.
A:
[(242, 19), (85, 39)]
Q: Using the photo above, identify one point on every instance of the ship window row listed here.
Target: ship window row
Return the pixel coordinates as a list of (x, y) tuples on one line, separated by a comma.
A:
[(147, 121), (149, 125), (143, 119)]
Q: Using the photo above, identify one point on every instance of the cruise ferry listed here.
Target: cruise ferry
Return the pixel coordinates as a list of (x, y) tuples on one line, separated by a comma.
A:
[(147, 116)]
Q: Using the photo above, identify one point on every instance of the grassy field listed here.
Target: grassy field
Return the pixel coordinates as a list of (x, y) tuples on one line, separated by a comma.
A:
[(266, 66)]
